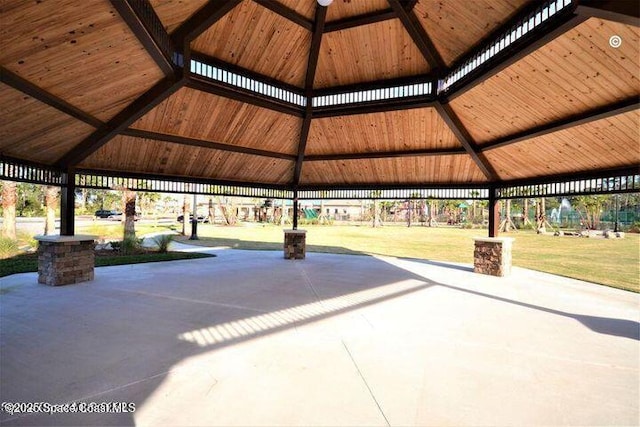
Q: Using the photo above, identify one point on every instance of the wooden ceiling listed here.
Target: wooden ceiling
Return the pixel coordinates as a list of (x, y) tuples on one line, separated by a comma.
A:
[(107, 85)]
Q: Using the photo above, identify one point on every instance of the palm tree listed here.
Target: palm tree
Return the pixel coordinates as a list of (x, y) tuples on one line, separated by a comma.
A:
[(129, 201), (51, 203), (9, 200)]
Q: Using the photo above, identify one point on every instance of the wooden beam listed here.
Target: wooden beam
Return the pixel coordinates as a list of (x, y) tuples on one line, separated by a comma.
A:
[(145, 103), (181, 178), (200, 21), (373, 107), (456, 126), (314, 53), (385, 154), (622, 11), (359, 20), (600, 113), (574, 176), (28, 88), (238, 94), (529, 43), (192, 142), (376, 84), (148, 29), (367, 18), (419, 37), (287, 13)]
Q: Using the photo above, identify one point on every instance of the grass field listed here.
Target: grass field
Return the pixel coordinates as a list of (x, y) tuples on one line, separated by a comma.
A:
[(612, 262)]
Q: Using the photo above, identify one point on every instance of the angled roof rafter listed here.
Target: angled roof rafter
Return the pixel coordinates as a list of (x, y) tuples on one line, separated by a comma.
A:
[(599, 113), (200, 21), (28, 88), (143, 104), (192, 142), (148, 29), (458, 129), (287, 13), (314, 53), (419, 37), (367, 18)]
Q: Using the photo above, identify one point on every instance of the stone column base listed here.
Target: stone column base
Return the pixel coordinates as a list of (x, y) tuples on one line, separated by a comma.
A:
[(295, 245), (63, 260), (492, 255)]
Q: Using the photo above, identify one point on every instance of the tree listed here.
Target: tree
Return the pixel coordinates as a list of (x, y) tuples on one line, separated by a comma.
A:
[(51, 204), (590, 209), (507, 224), (376, 208), (185, 214), (228, 209), (9, 200)]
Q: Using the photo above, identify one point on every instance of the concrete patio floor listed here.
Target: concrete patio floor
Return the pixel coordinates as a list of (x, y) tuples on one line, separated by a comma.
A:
[(248, 338)]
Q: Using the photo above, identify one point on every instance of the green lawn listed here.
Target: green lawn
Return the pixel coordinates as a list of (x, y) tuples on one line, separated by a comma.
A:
[(27, 263), (606, 261)]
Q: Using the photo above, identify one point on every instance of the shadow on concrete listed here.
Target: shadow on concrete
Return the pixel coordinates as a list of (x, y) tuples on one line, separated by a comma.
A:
[(602, 325)]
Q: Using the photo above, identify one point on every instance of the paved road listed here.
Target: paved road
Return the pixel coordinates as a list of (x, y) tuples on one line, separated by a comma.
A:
[(35, 225)]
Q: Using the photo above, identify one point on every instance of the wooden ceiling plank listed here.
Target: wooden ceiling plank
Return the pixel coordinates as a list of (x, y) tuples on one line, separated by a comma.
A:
[(607, 111), (121, 121), (420, 37), (148, 29), (41, 95), (286, 12), (312, 63), (192, 142)]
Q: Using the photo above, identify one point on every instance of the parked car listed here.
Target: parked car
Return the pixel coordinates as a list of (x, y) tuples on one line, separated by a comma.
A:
[(105, 213), (201, 218)]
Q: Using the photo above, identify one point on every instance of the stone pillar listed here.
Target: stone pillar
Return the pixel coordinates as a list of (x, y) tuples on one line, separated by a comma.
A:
[(492, 255), (63, 260), (295, 245)]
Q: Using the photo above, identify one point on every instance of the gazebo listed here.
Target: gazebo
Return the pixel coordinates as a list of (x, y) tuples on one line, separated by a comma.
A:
[(318, 99), (487, 99)]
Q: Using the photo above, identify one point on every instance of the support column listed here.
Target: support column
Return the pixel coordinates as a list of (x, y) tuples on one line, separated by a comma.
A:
[(295, 244), (63, 260), (492, 255), (67, 203), (295, 209), (494, 213)]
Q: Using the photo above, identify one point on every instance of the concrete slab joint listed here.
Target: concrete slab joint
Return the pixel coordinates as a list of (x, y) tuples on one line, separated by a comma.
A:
[(492, 255), (295, 245), (63, 260)]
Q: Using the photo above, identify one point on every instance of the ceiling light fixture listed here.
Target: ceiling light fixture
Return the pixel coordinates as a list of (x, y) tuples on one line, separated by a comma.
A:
[(324, 3)]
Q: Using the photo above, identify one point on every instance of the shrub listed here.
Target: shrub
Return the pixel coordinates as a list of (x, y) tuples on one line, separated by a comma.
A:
[(634, 228), (163, 241), (8, 247)]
